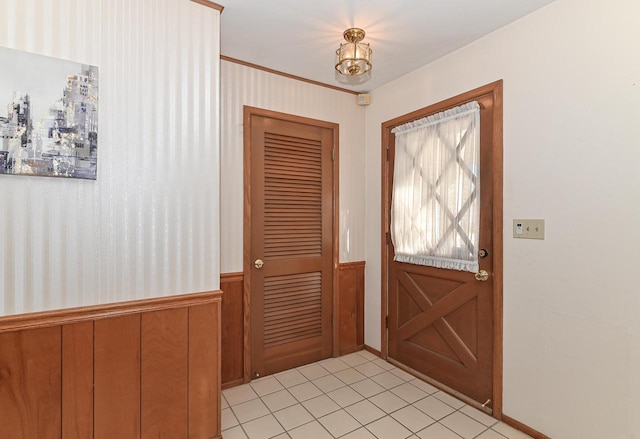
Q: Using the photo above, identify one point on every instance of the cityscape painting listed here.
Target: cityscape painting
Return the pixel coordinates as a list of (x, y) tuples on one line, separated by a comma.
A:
[(48, 116)]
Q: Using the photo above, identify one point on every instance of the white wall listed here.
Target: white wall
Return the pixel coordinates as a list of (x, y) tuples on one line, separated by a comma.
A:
[(148, 226), (242, 85), (571, 118)]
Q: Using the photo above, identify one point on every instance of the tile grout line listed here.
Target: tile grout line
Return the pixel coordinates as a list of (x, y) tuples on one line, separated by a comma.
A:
[(329, 373), (298, 402), (349, 367)]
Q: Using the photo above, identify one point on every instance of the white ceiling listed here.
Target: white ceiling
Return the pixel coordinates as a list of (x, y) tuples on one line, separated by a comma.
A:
[(299, 37)]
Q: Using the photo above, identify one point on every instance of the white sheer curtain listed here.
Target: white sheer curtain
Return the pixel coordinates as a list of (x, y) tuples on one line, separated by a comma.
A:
[(435, 212)]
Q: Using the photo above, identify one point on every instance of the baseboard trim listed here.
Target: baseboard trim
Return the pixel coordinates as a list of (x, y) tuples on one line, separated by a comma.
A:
[(375, 352), (233, 383), (523, 428), (351, 350)]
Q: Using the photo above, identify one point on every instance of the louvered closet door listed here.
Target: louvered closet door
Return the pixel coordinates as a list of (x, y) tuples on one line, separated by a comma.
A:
[(291, 232)]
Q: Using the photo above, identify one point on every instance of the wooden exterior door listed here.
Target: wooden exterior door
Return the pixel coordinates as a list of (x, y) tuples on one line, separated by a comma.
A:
[(440, 321), (289, 239)]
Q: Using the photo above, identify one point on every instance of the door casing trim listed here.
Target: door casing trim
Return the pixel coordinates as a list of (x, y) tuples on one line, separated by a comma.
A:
[(248, 112), (495, 89)]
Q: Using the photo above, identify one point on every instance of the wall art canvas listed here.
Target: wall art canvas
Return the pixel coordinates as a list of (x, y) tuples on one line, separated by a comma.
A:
[(48, 116)]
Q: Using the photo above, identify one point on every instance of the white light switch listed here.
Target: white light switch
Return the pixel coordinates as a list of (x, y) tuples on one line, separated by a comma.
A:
[(528, 228)]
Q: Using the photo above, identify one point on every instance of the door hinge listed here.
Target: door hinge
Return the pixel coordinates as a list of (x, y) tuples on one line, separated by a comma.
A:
[(386, 322), (388, 237), (387, 154), (333, 154)]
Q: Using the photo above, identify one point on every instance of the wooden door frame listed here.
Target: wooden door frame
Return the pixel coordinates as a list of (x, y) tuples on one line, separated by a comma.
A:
[(495, 89), (334, 127)]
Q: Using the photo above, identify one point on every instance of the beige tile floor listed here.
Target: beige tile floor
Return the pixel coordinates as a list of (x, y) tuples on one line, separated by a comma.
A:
[(357, 396)]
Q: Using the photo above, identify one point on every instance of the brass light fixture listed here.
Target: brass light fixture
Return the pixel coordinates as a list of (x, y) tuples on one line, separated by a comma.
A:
[(353, 57)]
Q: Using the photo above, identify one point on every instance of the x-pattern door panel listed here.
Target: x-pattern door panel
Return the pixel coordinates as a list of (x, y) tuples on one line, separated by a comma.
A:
[(440, 321), (433, 326), (441, 324)]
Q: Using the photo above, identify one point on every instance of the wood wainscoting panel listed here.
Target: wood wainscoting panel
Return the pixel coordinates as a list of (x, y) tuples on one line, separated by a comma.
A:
[(163, 372), (117, 378), (140, 369), (232, 285), (350, 320), (351, 307), (77, 380), (30, 384), (204, 371)]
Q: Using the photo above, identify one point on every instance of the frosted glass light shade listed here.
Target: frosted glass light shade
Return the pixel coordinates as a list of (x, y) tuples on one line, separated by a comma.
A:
[(353, 57)]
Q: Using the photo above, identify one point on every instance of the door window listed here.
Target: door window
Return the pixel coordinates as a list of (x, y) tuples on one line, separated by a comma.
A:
[(435, 211)]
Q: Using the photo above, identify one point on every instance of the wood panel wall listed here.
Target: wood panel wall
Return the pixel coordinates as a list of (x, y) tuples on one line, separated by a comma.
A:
[(350, 318), (134, 370), (232, 329), (351, 309)]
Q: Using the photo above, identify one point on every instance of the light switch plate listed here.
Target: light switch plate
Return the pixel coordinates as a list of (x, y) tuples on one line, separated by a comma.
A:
[(528, 228)]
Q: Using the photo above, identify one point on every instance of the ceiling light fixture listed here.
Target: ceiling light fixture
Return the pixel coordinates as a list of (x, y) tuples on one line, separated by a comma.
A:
[(353, 57)]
